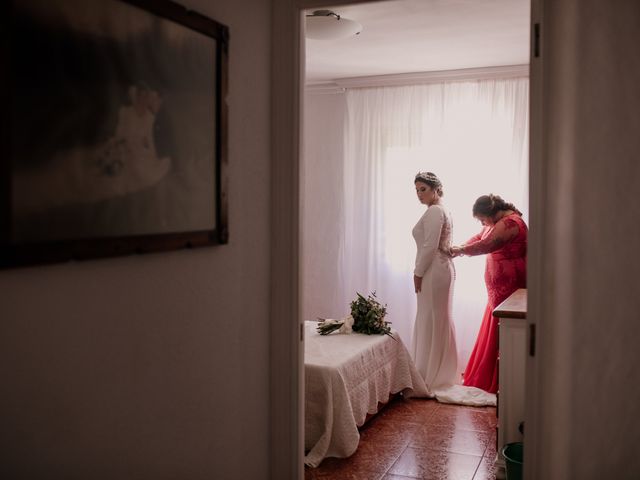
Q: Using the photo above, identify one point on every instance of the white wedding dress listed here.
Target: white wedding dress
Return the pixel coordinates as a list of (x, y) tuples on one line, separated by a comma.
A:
[(433, 344)]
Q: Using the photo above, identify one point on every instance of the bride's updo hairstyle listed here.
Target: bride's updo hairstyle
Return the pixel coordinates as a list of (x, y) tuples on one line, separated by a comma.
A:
[(430, 179), (489, 205)]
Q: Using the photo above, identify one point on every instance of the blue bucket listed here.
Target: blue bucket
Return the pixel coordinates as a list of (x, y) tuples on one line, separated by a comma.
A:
[(513, 454)]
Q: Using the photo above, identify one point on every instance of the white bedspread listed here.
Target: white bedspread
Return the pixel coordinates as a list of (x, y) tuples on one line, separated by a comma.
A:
[(346, 375)]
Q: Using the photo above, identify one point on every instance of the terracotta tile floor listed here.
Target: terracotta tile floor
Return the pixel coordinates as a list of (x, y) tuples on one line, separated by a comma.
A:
[(419, 438)]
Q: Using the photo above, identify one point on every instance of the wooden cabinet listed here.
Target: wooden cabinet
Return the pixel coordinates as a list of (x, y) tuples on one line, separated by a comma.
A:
[(511, 315)]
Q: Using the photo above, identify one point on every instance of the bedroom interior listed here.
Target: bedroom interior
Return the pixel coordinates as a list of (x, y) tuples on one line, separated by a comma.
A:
[(422, 86), (473, 148)]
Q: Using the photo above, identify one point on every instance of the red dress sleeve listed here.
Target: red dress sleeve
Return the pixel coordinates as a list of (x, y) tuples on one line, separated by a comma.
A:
[(502, 233)]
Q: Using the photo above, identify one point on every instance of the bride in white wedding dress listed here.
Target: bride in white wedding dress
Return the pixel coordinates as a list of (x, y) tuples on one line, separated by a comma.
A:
[(433, 344), (434, 338)]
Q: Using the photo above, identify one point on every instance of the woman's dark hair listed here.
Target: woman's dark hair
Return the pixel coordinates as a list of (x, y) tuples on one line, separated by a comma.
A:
[(489, 205), (431, 179)]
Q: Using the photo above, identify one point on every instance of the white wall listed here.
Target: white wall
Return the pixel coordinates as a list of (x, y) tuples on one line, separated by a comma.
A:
[(153, 366), (321, 195), (588, 388)]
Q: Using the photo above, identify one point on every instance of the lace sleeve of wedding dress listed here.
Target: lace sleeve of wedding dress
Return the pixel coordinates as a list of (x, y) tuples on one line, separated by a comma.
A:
[(502, 233), (432, 222)]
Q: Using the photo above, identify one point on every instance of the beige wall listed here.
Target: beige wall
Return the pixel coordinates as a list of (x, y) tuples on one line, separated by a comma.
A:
[(153, 366)]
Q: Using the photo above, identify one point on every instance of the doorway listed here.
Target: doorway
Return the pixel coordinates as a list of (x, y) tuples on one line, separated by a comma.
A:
[(285, 174)]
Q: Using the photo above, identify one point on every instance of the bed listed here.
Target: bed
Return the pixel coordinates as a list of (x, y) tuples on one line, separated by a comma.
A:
[(346, 377)]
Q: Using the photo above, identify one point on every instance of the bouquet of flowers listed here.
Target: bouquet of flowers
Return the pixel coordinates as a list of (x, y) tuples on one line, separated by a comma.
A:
[(367, 316)]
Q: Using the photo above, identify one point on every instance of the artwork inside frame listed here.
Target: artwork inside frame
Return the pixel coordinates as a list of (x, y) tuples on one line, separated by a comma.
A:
[(115, 135)]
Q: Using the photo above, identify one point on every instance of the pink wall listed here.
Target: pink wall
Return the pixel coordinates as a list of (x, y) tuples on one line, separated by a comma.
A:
[(154, 366)]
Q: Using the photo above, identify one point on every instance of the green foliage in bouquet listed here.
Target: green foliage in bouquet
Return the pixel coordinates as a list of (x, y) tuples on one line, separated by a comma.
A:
[(368, 316)]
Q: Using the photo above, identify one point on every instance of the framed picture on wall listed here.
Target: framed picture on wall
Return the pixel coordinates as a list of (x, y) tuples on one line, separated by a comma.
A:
[(114, 129)]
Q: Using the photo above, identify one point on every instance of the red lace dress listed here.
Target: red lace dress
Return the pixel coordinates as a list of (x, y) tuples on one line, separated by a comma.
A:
[(506, 271)]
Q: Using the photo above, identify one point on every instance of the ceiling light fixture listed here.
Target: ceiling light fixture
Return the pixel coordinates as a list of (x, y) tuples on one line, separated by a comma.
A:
[(328, 25)]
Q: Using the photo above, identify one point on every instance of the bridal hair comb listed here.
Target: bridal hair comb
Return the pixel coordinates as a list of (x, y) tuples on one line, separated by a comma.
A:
[(429, 177)]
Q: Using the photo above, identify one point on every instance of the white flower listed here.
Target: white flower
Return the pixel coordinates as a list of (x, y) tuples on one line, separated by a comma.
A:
[(347, 324)]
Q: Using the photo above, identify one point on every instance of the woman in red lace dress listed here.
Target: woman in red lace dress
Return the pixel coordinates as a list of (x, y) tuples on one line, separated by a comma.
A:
[(504, 238)]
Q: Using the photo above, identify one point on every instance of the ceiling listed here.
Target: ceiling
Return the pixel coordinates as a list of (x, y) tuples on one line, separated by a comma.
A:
[(403, 36)]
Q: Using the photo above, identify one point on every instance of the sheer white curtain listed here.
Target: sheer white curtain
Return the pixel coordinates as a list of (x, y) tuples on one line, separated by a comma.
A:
[(474, 136)]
